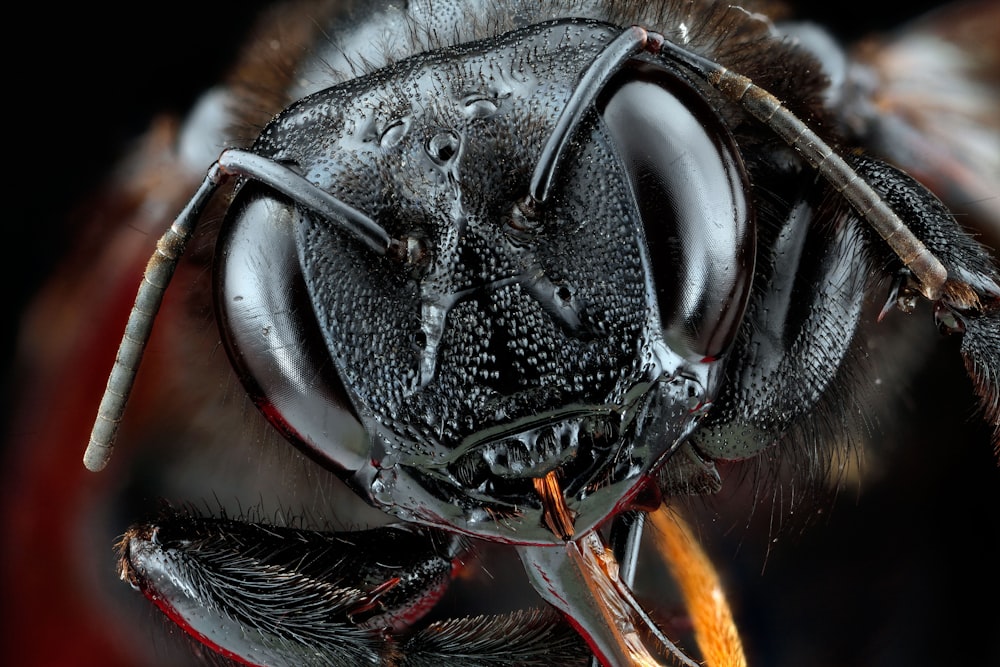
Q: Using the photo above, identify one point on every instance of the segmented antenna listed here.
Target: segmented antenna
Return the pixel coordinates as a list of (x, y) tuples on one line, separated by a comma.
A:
[(769, 110), (159, 271), (170, 247), (761, 104)]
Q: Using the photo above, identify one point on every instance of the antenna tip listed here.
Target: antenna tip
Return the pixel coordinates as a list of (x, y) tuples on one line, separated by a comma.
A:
[(96, 457)]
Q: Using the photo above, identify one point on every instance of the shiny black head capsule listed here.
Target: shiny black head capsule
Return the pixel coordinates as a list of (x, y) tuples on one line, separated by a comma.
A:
[(519, 338)]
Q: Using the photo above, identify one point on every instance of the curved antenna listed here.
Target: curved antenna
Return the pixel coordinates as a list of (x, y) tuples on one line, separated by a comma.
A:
[(161, 266), (769, 110), (621, 49), (156, 277), (307, 195), (766, 108)]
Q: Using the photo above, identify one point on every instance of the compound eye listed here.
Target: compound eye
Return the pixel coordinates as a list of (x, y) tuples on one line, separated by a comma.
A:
[(692, 192), (272, 337)]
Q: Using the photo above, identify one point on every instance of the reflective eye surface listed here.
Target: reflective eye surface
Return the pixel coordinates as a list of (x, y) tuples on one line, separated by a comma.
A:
[(692, 190), (271, 335)]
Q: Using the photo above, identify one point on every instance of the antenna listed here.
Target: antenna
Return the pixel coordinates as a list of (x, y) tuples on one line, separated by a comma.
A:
[(766, 108), (161, 266)]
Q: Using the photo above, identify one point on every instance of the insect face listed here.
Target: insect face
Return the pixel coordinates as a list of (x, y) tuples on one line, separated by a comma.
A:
[(518, 342), (516, 273)]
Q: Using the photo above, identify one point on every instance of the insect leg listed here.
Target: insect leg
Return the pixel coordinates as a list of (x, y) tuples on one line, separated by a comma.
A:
[(534, 638), (273, 595), (715, 629), (276, 595), (970, 302)]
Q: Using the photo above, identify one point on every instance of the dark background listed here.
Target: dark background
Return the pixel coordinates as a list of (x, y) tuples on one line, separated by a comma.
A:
[(84, 84), (89, 78)]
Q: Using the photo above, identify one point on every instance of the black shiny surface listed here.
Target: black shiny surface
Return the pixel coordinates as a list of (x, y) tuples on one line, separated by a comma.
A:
[(688, 177), (515, 348), (878, 548)]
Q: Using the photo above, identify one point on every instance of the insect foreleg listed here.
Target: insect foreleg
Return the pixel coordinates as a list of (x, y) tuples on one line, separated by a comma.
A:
[(970, 302), (276, 595)]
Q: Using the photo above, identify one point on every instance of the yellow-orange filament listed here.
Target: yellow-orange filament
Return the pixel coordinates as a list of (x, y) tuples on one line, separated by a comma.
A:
[(715, 631), (557, 516)]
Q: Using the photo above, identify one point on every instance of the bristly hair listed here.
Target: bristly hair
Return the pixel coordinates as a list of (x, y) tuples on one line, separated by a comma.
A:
[(741, 38)]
